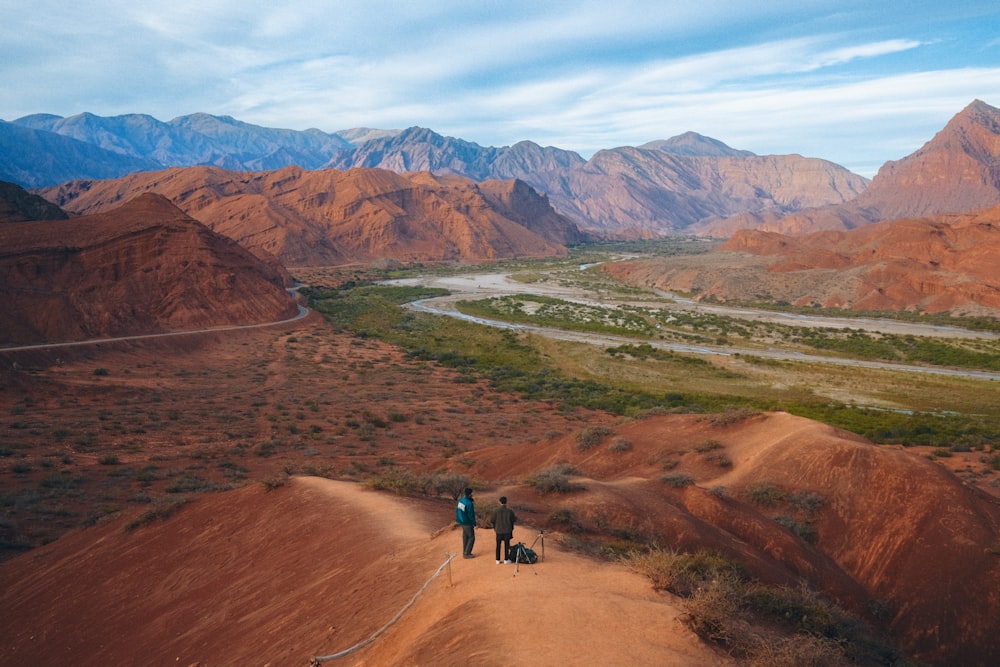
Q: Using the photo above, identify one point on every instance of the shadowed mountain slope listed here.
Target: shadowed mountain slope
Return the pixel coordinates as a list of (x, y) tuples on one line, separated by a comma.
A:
[(17, 205), (144, 267)]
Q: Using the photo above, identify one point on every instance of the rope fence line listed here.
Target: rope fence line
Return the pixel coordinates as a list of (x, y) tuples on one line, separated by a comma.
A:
[(316, 660)]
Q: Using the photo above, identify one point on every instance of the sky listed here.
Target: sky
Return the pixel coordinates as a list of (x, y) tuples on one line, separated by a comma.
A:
[(857, 83)]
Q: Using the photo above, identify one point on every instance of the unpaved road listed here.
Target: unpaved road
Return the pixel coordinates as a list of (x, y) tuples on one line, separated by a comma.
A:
[(481, 286)]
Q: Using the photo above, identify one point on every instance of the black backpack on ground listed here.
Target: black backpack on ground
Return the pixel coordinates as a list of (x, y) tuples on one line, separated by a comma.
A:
[(522, 554)]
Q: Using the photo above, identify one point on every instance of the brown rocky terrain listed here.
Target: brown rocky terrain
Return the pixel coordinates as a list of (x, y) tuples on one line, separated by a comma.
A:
[(312, 567), (937, 264), (143, 268), (319, 218), (955, 172)]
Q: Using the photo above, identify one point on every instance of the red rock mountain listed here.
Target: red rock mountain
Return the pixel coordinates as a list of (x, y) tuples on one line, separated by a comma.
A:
[(316, 218), (955, 172), (936, 264), (142, 268)]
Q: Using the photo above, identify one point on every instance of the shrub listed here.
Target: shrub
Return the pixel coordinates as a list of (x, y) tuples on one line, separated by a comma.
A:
[(554, 480), (564, 519), (400, 481), (707, 446), (765, 494), (719, 459), (109, 460), (620, 445), (591, 436), (161, 510), (678, 480), (451, 485)]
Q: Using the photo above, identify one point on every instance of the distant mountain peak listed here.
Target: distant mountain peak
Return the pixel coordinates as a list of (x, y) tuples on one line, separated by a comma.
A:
[(694, 144)]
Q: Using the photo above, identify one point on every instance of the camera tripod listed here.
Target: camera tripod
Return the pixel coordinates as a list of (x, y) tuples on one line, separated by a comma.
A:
[(522, 557)]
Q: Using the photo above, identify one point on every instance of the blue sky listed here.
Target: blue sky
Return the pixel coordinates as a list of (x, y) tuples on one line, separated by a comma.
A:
[(858, 83)]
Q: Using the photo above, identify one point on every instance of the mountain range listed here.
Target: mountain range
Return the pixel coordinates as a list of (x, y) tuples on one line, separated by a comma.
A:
[(662, 187), (686, 184)]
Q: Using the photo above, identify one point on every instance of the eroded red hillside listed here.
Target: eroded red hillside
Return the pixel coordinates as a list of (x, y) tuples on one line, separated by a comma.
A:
[(143, 267), (934, 265), (328, 217)]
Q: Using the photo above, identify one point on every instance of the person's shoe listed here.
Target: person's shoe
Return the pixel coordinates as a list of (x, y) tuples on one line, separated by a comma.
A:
[(468, 556), (507, 562), (498, 562)]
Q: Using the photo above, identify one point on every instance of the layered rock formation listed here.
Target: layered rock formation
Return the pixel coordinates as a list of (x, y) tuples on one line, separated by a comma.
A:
[(142, 268), (318, 218)]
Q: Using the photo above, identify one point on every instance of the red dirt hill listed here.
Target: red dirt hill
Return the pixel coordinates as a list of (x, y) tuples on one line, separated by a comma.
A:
[(329, 217), (890, 527), (939, 264), (253, 577), (142, 268), (317, 566)]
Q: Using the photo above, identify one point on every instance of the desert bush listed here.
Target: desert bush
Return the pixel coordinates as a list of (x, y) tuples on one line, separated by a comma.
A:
[(109, 460), (682, 573), (765, 494), (719, 459), (720, 601), (400, 481), (678, 480), (161, 510), (732, 414), (591, 436), (563, 519), (451, 485), (620, 445), (802, 529), (554, 480), (707, 446), (807, 501)]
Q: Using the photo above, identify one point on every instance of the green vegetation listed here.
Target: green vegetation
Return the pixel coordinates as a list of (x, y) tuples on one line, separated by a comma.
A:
[(632, 379)]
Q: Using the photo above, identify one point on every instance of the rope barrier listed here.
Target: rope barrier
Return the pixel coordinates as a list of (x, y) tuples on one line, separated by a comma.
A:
[(316, 660)]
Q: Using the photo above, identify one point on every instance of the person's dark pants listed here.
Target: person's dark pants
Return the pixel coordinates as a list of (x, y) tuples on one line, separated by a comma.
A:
[(468, 539), (504, 539)]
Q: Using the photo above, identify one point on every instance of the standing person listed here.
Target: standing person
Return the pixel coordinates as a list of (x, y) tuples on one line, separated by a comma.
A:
[(465, 516), (503, 524)]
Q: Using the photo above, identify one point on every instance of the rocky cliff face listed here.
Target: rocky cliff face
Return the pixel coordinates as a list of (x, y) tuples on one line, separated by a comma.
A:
[(326, 217), (955, 172), (142, 268)]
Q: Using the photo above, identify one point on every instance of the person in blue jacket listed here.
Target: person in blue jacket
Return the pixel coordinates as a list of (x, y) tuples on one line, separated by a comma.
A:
[(465, 516)]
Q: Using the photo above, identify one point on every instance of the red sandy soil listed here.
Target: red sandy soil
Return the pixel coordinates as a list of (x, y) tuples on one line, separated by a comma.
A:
[(257, 577), (103, 434)]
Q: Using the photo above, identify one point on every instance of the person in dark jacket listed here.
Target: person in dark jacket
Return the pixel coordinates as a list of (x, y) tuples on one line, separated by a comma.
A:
[(503, 521), (465, 516)]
